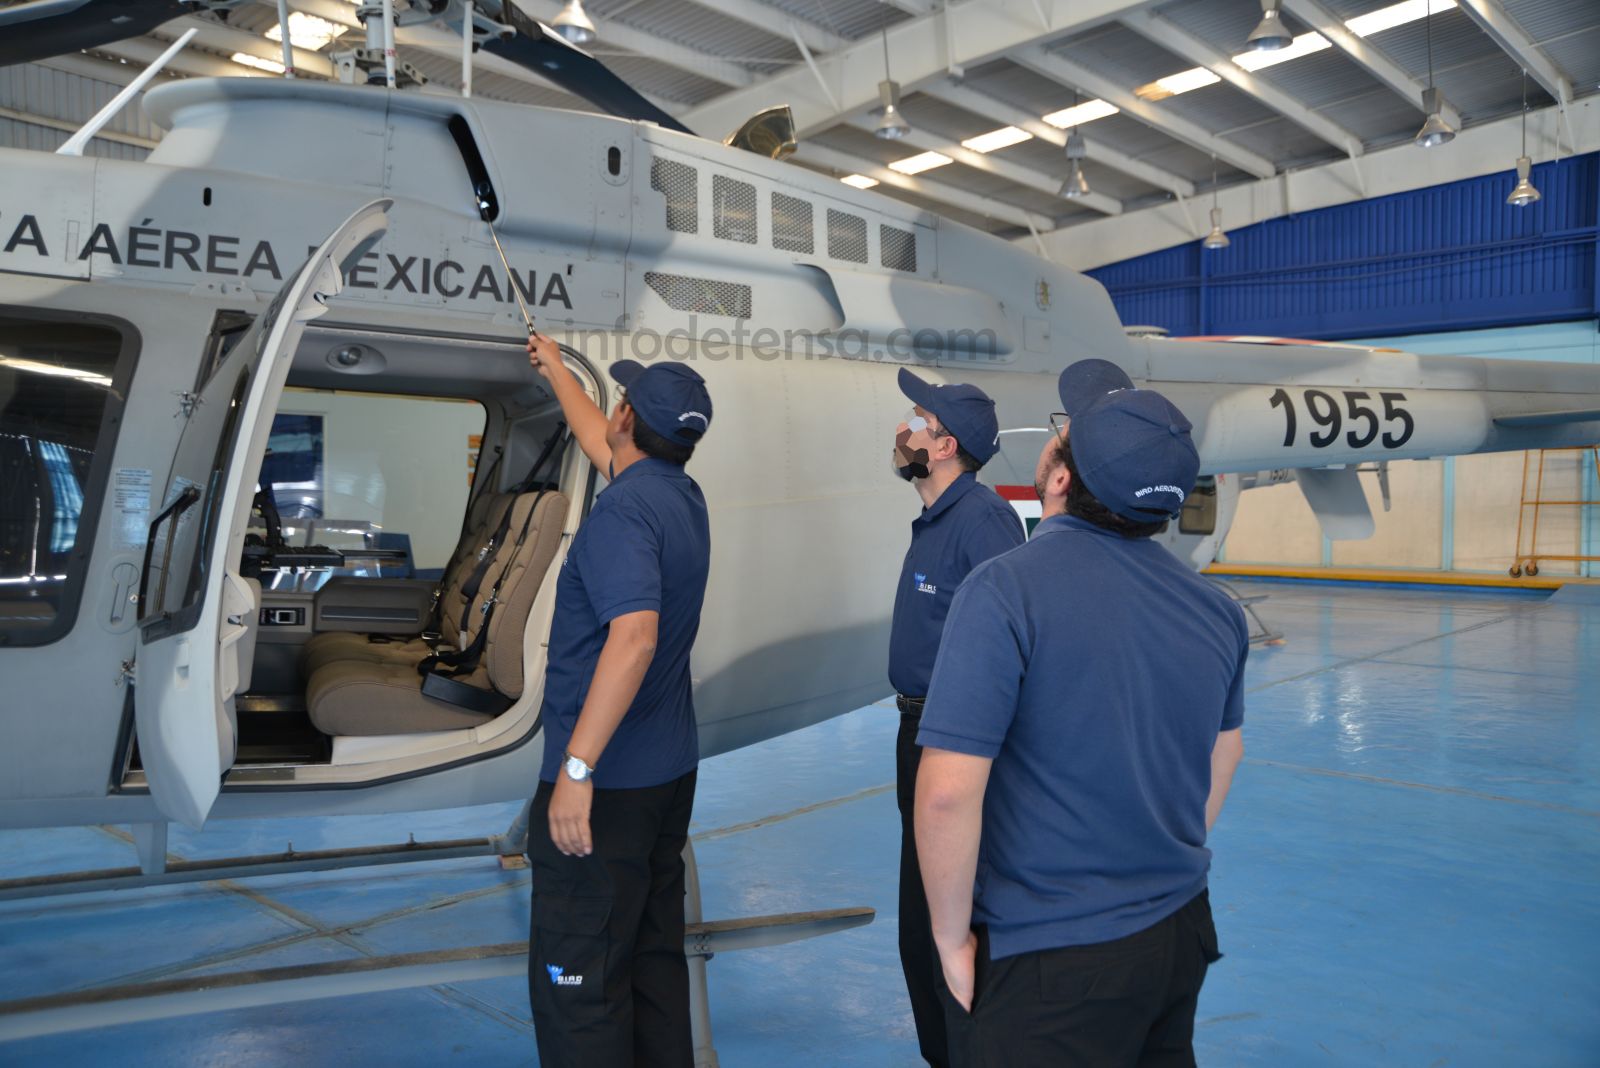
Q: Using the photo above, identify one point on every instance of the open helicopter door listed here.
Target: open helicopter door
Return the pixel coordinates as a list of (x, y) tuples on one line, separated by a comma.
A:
[(193, 605)]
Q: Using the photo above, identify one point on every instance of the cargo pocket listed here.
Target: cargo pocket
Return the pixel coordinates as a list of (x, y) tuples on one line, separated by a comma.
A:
[(570, 949)]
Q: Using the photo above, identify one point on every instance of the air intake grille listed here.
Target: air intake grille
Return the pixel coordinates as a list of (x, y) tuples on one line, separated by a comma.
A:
[(677, 181), (897, 248), (847, 236), (733, 209), (701, 295), (792, 224)]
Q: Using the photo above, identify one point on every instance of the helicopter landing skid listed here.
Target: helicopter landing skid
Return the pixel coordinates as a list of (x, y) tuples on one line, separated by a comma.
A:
[(107, 1006)]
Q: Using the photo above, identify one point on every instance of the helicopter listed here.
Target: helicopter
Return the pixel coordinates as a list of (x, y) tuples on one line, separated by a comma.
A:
[(166, 648)]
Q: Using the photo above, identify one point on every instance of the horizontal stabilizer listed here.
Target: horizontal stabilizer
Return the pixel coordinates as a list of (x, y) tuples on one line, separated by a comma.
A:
[(1577, 415), (1339, 501)]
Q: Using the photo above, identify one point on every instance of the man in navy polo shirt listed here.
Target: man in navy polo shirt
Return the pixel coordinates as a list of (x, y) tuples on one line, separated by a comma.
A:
[(940, 446), (1081, 732), (607, 977)]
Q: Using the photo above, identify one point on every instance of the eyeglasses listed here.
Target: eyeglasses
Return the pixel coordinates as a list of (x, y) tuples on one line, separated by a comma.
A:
[(1059, 422), (917, 424)]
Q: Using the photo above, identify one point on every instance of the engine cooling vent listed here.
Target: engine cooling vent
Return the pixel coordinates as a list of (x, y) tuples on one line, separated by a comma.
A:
[(733, 209), (847, 236), (897, 248), (680, 185), (792, 224), (705, 296)]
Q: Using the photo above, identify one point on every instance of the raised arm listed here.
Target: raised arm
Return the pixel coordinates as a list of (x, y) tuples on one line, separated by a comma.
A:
[(587, 421)]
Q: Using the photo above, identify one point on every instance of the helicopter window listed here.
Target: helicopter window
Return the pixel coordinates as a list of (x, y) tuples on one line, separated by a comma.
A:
[(792, 224), (1199, 515), (355, 471), (733, 216), (61, 386), (677, 181), (704, 295), (897, 248), (227, 327), (847, 236)]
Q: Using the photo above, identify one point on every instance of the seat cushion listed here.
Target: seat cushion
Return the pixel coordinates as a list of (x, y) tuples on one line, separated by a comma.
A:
[(351, 697), (325, 649)]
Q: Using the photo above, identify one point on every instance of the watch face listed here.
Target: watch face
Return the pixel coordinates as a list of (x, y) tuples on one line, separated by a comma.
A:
[(576, 769)]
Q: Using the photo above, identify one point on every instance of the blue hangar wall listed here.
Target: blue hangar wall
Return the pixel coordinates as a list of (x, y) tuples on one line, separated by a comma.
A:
[(1448, 257)]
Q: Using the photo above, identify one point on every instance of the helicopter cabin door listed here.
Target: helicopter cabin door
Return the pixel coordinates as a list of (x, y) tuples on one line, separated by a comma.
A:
[(194, 608)]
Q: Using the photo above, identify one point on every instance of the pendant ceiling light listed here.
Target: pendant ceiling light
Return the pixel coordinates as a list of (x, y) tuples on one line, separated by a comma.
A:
[(1077, 184), (1216, 238), (1524, 193), (574, 24), (892, 125), (1270, 33), (1436, 129)]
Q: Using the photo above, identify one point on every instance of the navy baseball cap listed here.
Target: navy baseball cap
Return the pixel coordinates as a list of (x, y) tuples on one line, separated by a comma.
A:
[(963, 410), (1086, 381), (670, 397), (1133, 450)]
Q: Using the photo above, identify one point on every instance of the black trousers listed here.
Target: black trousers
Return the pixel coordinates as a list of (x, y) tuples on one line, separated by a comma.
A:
[(1123, 1003), (607, 978), (919, 960)]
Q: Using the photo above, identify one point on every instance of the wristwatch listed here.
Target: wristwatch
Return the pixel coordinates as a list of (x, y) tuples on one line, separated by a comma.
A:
[(576, 769)]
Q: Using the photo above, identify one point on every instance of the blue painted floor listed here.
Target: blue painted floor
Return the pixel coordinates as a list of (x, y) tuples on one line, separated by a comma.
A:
[(1407, 873)]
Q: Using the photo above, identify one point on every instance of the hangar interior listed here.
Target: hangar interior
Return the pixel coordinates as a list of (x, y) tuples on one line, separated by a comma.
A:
[(1407, 871)]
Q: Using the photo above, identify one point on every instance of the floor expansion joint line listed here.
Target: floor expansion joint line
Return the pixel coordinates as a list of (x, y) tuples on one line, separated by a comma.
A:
[(1380, 654), (1379, 780), (767, 821)]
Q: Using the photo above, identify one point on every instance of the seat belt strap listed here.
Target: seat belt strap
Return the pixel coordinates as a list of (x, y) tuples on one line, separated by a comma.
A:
[(465, 662)]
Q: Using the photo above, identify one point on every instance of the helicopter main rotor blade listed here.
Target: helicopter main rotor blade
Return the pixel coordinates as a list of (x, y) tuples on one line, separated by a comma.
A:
[(545, 52), (46, 28)]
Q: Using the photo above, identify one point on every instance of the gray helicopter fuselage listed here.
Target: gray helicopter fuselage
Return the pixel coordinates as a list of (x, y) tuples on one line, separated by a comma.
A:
[(795, 296)]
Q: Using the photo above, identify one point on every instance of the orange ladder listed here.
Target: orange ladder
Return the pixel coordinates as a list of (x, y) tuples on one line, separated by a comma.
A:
[(1528, 563)]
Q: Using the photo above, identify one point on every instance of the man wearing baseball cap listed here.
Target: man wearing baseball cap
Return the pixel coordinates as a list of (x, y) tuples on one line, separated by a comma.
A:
[(1081, 732), (950, 433), (607, 978)]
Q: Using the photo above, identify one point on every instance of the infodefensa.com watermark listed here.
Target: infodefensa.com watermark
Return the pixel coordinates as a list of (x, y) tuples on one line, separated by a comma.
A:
[(769, 344)]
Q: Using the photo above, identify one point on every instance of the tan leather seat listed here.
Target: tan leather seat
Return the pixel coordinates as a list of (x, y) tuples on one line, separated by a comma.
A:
[(362, 695), (333, 646)]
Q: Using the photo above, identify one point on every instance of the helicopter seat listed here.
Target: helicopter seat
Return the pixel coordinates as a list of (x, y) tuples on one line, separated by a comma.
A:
[(330, 646), (410, 687)]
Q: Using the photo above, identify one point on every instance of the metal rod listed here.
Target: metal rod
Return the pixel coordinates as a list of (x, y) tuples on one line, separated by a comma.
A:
[(388, 42), (194, 871), (78, 141), (816, 72), (1522, 511), (106, 1006), (1533, 540), (81, 1010), (288, 46), (705, 1053), (516, 287), (466, 49)]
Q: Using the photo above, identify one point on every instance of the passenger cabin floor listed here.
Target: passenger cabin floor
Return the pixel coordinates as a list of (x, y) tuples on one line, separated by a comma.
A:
[(1407, 873)]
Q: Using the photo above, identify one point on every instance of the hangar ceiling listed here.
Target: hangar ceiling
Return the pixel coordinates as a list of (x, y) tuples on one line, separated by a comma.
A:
[(1167, 99)]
